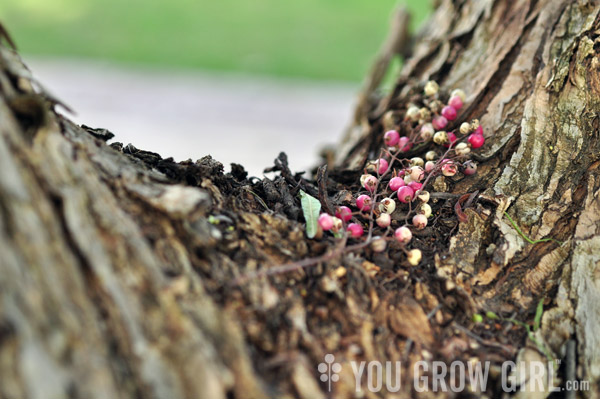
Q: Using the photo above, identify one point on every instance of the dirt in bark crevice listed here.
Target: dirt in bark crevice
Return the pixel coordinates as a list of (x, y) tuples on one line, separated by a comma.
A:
[(332, 306)]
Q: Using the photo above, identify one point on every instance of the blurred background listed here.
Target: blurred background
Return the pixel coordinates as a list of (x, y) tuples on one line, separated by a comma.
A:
[(238, 79)]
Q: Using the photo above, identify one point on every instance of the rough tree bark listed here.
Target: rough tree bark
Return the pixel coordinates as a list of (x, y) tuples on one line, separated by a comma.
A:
[(116, 265)]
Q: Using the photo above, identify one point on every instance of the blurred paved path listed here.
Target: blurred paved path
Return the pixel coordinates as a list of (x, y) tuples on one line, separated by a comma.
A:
[(189, 115)]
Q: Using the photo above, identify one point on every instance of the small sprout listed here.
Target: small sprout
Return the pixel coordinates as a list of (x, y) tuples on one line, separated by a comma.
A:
[(325, 221), (403, 235), (379, 244), (461, 94), (405, 194), (431, 88), (462, 149), (439, 122), (423, 196), (413, 113), (387, 205), (491, 315), (465, 128), (384, 220), (419, 221), (455, 102), (370, 183), (425, 210), (477, 318), (363, 203), (355, 230), (427, 131), (396, 183), (344, 213), (470, 168), (431, 155), (417, 161), (414, 257), (390, 138), (440, 137), (449, 113)]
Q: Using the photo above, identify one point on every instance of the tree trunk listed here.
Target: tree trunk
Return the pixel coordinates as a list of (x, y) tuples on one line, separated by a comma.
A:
[(123, 274)]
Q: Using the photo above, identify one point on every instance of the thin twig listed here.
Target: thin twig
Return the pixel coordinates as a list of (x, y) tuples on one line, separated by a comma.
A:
[(340, 249), (483, 341)]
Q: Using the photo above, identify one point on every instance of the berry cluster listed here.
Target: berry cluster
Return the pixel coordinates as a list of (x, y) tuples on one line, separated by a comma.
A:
[(394, 178)]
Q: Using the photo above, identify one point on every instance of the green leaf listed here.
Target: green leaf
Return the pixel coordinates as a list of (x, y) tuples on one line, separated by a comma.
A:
[(310, 208), (538, 315)]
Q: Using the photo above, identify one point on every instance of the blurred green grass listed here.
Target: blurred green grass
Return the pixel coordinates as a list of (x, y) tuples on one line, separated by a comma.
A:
[(322, 39)]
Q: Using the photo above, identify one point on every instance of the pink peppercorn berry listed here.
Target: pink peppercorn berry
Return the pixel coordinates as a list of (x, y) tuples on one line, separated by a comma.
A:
[(383, 165), (449, 168), (406, 194), (476, 140), (355, 230), (416, 186), (404, 144), (419, 221), (325, 221), (396, 183), (403, 234), (470, 168), (337, 225), (371, 183), (384, 220), (455, 102), (344, 213), (363, 202), (451, 139), (429, 165), (439, 122), (390, 138), (449, 113), (417, 173), (427, 131)]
